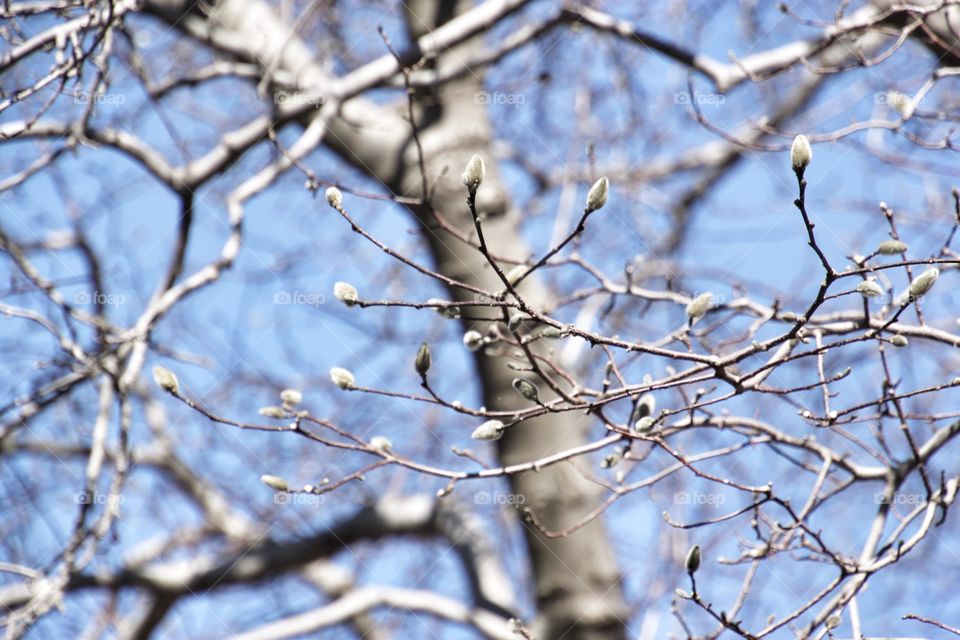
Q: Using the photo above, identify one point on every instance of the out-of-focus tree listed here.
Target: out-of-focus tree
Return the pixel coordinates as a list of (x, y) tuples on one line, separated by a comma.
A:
[(508, 319)]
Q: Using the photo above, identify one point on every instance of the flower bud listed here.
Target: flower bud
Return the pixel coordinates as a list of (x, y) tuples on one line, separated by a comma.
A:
[(891, 247), (644, 424), (489, 430), (800, 153), (346, 293), (447, 312), (275, 482), (381, 444), (869, 289), (645, 406), (273, 412), (166, 379), (334, 197), (597, 196), (699, 306), (899, 341), (472, 340), (923, 282), (474, 173), (514, 274), (692, 562), (515, 320), (342, 378), (422, 361), (526, 389), (291, 396)]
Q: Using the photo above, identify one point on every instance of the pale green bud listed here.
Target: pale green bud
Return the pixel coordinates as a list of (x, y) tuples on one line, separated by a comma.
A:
[(472, 340), (923, 282), (275, 482), (644, 424), (899, 341), (342, 378), (489, 430), (526, 389), (166, 379), (597, 196), (699, 306), (801, 153), (869, 289), (447, 312), (422, 361), (514, 274), (891, 247), (272, 412)]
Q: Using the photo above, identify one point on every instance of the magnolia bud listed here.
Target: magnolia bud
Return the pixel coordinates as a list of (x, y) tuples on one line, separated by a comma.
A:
[(346, 293), (869, 289), (291, 396), (342, 378), (381, 444), (272, 412), (472, 340), (166, 379), (800, 153), (526, 389), (699, 306), (644, 407), (474, 173), (923, 282), (489, 430), (275, 482), (597, 196), (447, 312), (422, 361), (514, 274), (899, 340), (515, 320), (644, 424), (891, 247), (334, 197), (693, 559)]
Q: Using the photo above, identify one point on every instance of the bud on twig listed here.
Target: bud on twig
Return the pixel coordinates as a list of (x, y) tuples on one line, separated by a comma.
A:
[(472, 340), (422, 361), (166, 379), (381, 444), (334, 198), (474, 173), (891, 247), (801, 153), (346, 293), (489, 430), (699, 306), (272, 412), (526, 389), (275, 482), (692, 562), (923, 282), (899, 341), (291, 396), (342, 378), (869, 289), (597, 196)]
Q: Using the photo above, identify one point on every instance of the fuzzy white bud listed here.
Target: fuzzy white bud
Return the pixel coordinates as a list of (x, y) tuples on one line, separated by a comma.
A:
[(291, 396), (166, 379), (526, 389), (472, 340), (346, 293), (474, 173), (272, 412), (644, 424), (514, 274), (899, 341), (699, 306), (597, 196), (869, 289), (489, 430), (342, 378), (801, 153), (891, 247), (923, 282), (275, 482), (334, 197), (381, 444)]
